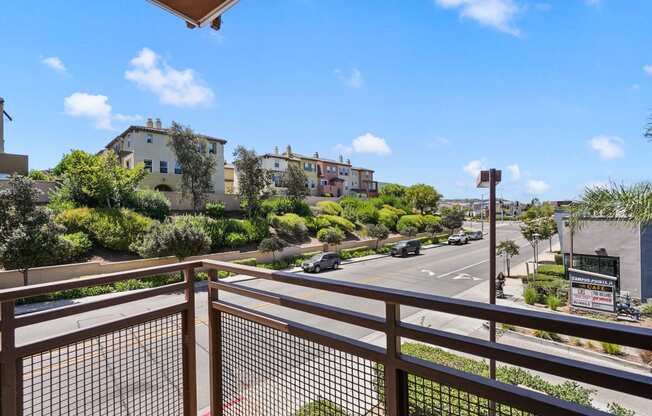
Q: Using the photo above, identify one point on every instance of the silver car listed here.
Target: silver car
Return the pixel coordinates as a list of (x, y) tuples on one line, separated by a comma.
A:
[(475, 235), (458, 239)]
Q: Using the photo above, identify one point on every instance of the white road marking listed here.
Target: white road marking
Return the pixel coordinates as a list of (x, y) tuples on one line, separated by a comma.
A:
[(464, 268), (430, 272)]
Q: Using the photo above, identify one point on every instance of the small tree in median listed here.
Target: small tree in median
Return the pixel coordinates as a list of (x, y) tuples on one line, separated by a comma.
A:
[(409, 231), (508, 249), (452, 218), (272, 245), (180, 239), (378, 231), (196, 162), (253, 179), (29, 237), (295, 180), (331, 236)]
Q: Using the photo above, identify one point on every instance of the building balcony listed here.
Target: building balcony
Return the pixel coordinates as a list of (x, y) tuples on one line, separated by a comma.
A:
[(261, 362)]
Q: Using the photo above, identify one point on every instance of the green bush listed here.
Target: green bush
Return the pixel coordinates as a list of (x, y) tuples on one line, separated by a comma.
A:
[(646, 308), (150, 203), (432, 220), (552, 270), (215, 210), (331, 235), (415, 221), (115, 229), (350, 202), (320, 408), (367, 213), (219, 230), (77, 247), (284, 205), (289, 225), (553, 302), (546, 285), (530, 296), (352, 253), (428, 398), (247, 262), (235, 240), (388, 217), (329, 208), (612, 349), (339, 222), (618, 410), (179, 239), (550, 336), (559, 259), (315, 224)]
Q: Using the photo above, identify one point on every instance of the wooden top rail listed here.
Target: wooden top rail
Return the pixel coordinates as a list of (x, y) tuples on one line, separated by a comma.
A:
[(578, 327)]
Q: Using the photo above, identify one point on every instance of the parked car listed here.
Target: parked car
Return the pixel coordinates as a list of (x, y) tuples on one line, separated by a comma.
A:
[(322, 261), (405, 247), (458, 239), (475, 235)]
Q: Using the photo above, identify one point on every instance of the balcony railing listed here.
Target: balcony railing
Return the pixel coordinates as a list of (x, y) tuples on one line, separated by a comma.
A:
[(262, 364)]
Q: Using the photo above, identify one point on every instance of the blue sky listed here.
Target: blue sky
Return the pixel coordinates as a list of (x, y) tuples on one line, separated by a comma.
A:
[(556, 93)]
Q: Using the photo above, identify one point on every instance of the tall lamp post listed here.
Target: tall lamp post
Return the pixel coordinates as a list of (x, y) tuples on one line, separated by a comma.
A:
[(537, 237), (489, 179)]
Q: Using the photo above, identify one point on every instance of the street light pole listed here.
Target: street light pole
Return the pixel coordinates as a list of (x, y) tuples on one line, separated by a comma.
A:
[(489, 179)]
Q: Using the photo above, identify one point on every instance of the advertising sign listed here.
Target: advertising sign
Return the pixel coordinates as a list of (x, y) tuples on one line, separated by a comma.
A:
[(592, 290)]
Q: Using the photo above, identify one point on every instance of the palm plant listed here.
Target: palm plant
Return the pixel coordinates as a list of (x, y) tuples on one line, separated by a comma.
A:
[(631, 204)]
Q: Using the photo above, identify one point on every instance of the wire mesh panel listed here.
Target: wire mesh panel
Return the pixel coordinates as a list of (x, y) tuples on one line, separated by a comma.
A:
[(269, 372), (429, 398), (133, 371)]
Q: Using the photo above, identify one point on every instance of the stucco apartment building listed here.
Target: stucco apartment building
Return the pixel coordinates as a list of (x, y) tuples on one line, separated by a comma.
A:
[(9, 163), (324, 176), (149, 145)]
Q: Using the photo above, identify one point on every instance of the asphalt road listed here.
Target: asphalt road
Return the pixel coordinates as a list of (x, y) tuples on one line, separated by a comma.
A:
[(443, 270)]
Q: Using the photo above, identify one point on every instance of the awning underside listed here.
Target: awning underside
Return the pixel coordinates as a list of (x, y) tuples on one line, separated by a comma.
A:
[(196, 12)]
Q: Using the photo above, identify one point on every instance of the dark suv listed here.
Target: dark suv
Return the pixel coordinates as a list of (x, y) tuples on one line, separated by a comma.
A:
[(403, 248), (321, 261)]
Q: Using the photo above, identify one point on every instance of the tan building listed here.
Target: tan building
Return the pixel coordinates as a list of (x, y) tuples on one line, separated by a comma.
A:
[(229, 179), (9, 163), (149, 145)]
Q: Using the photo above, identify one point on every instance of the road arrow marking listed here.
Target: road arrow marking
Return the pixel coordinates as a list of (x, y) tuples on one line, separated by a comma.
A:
[(430, 272)]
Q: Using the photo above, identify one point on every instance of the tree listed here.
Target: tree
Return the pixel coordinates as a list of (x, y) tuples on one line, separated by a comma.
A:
[(632, 204), (196, 162), (393, 189), (378, 231), (452, 218), (272, 245), (423, 197), (96, 180), (409, 231), (331, 235), (180, 239), (538, 211), (295, 180), (29, 236), (433, 229), (508, 249), (253, 179)]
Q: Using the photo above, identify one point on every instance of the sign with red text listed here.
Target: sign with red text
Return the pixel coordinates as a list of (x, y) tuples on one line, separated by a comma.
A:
[(592, 290)]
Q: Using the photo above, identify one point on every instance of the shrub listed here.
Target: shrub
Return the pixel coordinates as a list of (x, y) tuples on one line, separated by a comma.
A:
[(549, 286), (179, 239), (409, 231), (115, 229), (646, 357), (350, 213), (431, 220), (646, 308), (150, 203), (367, 214), (339, 222), (215, 210), (559, 259), (618, 410), (329, 208), (320, 408), (235, 240), (289, 225), (530, 296), (550, 336), (388, 216), (612, 349), (331, 235), (378, 231), (315, 224), (283, 205), (272, 245), (350, 202), (553, 302), (415, 221), (77, 247), (552, 270)]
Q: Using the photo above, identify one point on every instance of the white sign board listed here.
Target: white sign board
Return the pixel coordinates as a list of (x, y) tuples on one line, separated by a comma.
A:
[(592, 290)]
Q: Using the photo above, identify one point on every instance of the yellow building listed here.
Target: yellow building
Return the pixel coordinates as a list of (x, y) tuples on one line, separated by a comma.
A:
[(229, 179)]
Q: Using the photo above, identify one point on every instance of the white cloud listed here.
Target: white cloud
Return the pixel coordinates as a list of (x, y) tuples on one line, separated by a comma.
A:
[(473, 168), (95, 108), (353, 78), (536, 187), (647, 69), (55, 63), (497, 14), (368, 143), (172, 86), (609, 147), (515, 171)]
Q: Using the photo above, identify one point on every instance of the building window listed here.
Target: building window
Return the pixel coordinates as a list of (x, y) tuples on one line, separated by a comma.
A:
[(163, 166), (150, 138), (277, 164), (148, 165), (177, 168), (596, 264), (213, 148), (128, 164), (128, 144)]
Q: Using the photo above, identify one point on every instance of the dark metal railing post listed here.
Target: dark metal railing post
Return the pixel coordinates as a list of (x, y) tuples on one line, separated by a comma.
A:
[(396, 396), (10, 373), (189, 357), (215, 348)]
